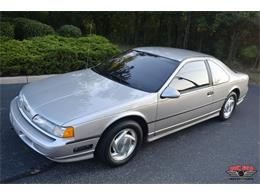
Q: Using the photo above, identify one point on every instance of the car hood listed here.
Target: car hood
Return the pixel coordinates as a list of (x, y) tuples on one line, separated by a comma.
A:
[(69, 96)]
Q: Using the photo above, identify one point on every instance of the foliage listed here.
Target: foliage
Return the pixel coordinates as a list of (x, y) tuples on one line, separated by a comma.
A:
[(53, 54), (26, 28), (250, 55), (221, 34), (249, 52), (6, 30), (88, 26), (69, 31)]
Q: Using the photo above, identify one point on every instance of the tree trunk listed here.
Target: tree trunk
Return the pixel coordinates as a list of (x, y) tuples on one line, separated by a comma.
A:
[(187, 31), (160, 29), (257, 62), (169, 32), (176, 35), (232, 48), (136, 34), (200, 42)]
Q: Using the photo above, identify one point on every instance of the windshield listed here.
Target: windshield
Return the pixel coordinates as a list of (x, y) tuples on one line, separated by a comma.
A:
[(139, 70)]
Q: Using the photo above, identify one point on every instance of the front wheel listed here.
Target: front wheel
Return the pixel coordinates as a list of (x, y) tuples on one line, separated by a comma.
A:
[(228, 107), (120, 143)]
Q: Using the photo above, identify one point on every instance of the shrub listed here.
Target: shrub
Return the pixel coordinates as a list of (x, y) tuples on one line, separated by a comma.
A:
[(26, 28), (53, 54), (249, 52), (4, 38), (69, 31), (6, 30)]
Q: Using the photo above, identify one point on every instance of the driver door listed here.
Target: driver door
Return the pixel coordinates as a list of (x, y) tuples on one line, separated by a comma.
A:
[(196, 95)]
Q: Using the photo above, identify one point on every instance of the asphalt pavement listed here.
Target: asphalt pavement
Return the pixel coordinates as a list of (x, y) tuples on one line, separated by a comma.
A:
[(199, 154)]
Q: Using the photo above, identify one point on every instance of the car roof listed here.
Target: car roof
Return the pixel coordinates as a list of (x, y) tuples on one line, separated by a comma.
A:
[(172, 53)]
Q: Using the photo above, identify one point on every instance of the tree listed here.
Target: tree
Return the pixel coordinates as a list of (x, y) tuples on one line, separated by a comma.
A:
[(222, 34), (235, 24), (187, 29)]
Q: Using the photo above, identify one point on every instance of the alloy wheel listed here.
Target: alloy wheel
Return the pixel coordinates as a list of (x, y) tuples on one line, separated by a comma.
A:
[(123, 144)]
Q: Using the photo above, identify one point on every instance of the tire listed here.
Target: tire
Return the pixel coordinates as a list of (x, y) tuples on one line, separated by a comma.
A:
[(224, 115), (117, 138)]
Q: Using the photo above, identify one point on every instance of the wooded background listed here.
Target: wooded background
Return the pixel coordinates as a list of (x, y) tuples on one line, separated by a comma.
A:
[(230, 36)]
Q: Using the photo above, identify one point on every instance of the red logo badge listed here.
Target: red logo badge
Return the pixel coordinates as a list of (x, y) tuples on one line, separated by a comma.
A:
[(241, 171)]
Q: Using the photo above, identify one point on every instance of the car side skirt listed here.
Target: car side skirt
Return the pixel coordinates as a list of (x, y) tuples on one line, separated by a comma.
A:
[(172, 129)]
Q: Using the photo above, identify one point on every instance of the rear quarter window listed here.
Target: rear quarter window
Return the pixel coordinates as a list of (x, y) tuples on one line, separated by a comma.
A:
[(218, 74)]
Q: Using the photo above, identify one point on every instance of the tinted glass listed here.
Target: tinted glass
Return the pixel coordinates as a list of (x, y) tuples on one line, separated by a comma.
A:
[(192, 75), (218, 74), (138, 70)]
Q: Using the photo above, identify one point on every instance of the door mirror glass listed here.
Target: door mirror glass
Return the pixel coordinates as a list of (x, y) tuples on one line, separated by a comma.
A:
[(170, 92)]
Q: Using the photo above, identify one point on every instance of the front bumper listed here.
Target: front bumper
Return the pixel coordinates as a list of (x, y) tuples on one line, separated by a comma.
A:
[(56, 149)]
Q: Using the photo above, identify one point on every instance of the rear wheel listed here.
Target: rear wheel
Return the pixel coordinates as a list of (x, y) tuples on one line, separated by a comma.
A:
[(228, 107), (120, 143)]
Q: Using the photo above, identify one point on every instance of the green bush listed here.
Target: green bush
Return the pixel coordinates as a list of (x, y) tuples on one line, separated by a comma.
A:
[(69, 31), (249, 52), (53, 54), (6, 30), (26, 28)]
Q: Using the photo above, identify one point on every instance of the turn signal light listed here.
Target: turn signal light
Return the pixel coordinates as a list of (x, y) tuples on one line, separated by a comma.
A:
[(68, 132)]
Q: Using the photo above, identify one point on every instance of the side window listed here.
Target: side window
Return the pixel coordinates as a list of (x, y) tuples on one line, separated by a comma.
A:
[(218, 74), (192, 75)]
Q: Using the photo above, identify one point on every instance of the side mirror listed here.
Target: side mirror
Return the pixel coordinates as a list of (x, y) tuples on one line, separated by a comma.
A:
[(170, 92)]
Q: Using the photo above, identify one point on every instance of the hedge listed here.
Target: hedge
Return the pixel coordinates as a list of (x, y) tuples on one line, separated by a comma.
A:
[(53, 54), (26, 28), (6, 30), (69, 31)]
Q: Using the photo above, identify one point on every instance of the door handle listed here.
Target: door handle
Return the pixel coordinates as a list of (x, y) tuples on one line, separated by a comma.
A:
[(210, 93)]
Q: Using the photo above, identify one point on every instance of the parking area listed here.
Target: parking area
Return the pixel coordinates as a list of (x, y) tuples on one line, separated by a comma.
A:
[(199, 154)]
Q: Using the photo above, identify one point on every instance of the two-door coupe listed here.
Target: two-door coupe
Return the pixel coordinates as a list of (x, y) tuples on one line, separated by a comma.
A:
[(108, 111)]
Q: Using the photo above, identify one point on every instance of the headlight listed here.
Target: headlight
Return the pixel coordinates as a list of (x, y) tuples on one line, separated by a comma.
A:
[(52, 128)]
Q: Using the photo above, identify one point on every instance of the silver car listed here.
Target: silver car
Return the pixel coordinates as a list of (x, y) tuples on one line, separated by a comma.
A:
[(108, 111)]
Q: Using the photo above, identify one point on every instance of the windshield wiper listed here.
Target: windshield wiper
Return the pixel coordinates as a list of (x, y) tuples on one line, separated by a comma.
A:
[(117, 78), (111, 76)]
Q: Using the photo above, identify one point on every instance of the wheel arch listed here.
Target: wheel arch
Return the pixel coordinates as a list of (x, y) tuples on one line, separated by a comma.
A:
[(135, 116), (236, 90)]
